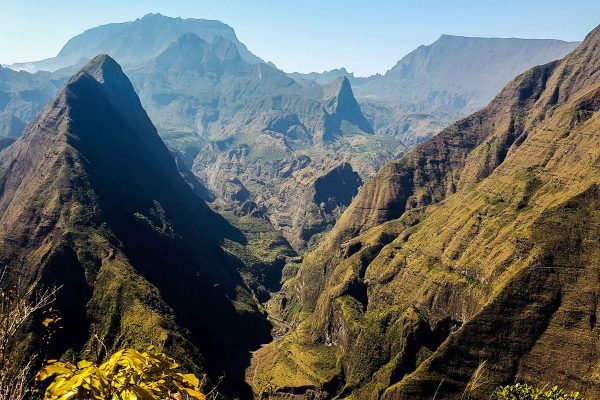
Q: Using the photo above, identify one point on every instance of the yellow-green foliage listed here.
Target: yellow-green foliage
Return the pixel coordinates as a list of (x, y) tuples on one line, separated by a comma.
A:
[(126, 375), (521, 391)]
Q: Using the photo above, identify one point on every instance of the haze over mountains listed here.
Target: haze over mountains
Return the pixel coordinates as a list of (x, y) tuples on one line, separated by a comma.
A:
[(437, 84), (307, 236), (134, 42), (247, 130)]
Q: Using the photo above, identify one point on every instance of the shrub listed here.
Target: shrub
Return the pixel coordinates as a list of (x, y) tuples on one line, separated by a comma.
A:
[(522, 391), (17, 305), (126, 375)]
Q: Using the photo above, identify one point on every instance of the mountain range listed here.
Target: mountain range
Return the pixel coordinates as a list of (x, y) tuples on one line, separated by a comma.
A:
[(437, 84), (256, 137), (475, 254), (243, 127), (246, 129), (309, 236), (134, 42)]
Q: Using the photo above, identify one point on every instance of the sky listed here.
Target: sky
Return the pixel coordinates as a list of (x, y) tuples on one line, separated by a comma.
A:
[(366, 37)]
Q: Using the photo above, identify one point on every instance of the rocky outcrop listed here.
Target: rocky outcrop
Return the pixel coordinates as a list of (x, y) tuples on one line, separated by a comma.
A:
[(473, 252), (310, 201), (340, 105)]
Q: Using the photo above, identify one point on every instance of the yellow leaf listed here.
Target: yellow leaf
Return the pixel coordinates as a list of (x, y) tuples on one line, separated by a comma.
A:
[(190, 379), (195, 394)]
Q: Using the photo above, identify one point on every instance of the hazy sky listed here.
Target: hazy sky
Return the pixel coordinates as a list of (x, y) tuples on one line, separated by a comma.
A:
[(365, 36)]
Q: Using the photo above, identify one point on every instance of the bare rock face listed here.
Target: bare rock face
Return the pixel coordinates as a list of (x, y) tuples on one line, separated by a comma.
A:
[(475, 251), (310, 201)]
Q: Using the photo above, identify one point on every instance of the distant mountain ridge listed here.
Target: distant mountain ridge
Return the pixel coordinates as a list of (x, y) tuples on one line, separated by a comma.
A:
[(435, 85), (325, 77), (240, 124), (472, 69), (151, 34)]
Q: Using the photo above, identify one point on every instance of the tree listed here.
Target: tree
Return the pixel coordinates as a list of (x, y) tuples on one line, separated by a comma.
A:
[(126, 375)]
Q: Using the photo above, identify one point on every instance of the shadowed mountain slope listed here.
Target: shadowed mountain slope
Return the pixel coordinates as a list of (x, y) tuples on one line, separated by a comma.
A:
[(91, 199), (475, 249)]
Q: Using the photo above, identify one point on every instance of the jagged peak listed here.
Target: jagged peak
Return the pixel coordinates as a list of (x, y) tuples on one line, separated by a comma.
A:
[(113, 84), (108, 73), (340, 101), (340, 87), (341, 71), (154, 15)]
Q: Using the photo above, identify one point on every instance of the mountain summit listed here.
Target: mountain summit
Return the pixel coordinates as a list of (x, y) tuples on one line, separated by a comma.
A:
[(342, 106)]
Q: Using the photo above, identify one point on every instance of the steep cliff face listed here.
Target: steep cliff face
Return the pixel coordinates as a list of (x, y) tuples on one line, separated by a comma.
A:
[(310, 201), (475, 249), (435, 85), (91, 199), (340, 105)]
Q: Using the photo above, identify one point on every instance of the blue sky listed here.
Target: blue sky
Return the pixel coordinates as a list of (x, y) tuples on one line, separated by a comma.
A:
[(305, 35)]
